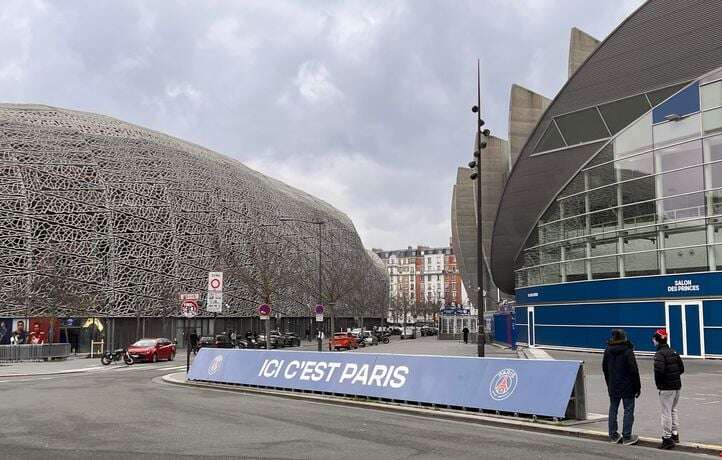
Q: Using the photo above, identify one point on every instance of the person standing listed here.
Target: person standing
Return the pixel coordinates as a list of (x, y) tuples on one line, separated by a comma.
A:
[(668, 370), (465, 332), (193, 341), (623, 384)]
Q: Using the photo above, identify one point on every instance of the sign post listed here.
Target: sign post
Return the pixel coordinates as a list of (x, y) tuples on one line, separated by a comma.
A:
[(264, 311), (214, 299), (189, 309), (319, 326)]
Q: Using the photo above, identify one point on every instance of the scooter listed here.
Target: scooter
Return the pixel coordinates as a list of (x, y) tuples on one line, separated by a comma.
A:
[(121, 353)]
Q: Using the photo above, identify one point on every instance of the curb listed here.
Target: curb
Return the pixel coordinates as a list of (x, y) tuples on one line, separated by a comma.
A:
[(485, 419)]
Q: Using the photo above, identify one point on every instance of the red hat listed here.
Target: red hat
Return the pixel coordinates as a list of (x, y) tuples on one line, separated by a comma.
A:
[(662, 333)]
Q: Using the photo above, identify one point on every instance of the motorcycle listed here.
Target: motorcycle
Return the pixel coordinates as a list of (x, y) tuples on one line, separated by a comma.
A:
[(384, 337), (121, 353)]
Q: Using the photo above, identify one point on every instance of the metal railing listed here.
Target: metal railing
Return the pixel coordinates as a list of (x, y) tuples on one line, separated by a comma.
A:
[(34, 352)]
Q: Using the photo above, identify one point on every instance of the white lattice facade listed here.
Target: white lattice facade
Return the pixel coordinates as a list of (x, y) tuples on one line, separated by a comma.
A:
[(125, 218)]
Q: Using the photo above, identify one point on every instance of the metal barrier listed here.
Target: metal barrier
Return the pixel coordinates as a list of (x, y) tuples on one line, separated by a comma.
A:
[(34, 352)]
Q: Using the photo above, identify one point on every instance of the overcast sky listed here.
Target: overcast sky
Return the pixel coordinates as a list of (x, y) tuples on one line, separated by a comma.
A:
[(363, 104)]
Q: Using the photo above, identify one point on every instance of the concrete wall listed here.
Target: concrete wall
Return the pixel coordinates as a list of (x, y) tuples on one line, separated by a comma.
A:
[(581, 46)]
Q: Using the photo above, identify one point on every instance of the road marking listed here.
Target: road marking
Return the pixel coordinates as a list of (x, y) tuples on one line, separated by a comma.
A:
[(711, 402)]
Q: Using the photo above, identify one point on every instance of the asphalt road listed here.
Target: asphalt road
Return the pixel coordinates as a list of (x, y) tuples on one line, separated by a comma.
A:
[(126, 412)]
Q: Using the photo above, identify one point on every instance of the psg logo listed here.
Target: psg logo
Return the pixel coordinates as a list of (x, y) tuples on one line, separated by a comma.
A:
[(503, 384), (215, 365)]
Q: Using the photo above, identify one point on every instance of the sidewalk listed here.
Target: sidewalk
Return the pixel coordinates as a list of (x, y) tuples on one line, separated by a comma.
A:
[(700, 407), (65, 366)]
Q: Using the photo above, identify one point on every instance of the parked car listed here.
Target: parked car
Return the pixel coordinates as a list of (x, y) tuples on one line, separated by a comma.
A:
[(151, 350), (292, 339), (429, 330), (409, 332), (261, 340), (207, 342), (343, 340), (223, 341)]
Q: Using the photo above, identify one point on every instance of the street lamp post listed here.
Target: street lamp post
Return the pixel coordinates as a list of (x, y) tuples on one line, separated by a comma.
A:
[(480, 143), (320, 264)]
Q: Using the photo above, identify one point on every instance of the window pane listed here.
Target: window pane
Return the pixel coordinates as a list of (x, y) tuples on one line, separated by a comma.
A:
[(640, 240), (604, 221), (572, 206), (636, 166), (683, 103), (619, 114), (533, 276), (715, 201), (551, 274), (576, 267), (711, 95), (670, 132), (638, 190), (683, 207), (603, 198), (636, 138), (550, 140), (550, 232), (604, 247), (685, 260), (656, 97), (639, 214), (550, 253), (685, 234), (713, 148), (712, 121), (718, 256), (683, 181), (552, 213), (605, 267), (575, 186), (574, 227), (641, 264), (715, 174), (679, 156), (601, 175), (583, 126)]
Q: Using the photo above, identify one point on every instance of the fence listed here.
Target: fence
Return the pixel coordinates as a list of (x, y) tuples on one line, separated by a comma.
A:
[(34, 352)]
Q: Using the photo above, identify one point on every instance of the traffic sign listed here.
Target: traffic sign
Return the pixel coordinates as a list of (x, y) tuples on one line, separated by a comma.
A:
[(189, 308), (319, 309), (214, 302), (319, 318), (264, 311), (189, 296), (215, 281)]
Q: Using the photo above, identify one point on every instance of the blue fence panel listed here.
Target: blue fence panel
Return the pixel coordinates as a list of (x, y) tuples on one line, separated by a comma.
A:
[(713, 341), (509, 385), (502, 328), (522, 333), (591, 337), (713, 313), (618, 314)]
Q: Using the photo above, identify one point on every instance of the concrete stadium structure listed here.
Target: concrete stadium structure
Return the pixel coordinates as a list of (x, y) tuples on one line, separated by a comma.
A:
[(101, 218), (525, 109), (611, 215)]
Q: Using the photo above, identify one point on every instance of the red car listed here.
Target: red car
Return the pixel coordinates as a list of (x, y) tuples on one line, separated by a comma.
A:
[(151, 350), (343, 340)]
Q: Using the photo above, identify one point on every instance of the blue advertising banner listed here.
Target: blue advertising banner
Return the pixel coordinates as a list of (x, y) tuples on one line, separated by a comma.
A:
[(535, 387), (644, 287)]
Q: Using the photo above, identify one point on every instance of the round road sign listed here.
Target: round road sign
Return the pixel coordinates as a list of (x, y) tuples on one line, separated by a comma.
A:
[(264, 310), (319, 309), (189, 308), (215, 283)]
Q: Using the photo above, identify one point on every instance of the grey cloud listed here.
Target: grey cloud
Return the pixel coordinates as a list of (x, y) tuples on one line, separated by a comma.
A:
[(365, 104)]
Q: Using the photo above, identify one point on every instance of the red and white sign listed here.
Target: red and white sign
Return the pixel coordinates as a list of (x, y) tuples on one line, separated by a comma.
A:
[(264, 311), (189, 308), (189, 296), (215, 281)]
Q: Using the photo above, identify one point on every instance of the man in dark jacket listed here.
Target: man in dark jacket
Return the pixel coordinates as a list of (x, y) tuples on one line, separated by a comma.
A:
[(668, 370), (622, 376)]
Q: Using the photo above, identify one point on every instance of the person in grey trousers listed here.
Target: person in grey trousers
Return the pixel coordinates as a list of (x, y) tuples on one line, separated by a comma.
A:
[(668, 370)]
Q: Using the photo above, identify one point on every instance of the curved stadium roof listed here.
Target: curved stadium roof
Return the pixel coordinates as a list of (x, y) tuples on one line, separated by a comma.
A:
[(656, 50)]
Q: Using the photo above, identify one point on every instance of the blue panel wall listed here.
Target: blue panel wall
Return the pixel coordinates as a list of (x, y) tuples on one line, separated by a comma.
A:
[(616, 314), (713, 341), (713, 335), (591, 337), (522, 333), (502, 327), (692, 285), (521, 316), (713, 313)]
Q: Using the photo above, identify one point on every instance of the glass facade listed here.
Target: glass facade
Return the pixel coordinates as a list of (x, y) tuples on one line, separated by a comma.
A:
[(648, 203)]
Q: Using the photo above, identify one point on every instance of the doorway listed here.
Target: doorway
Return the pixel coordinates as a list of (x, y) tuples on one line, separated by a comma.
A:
[(685, 326), (530, 323)]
